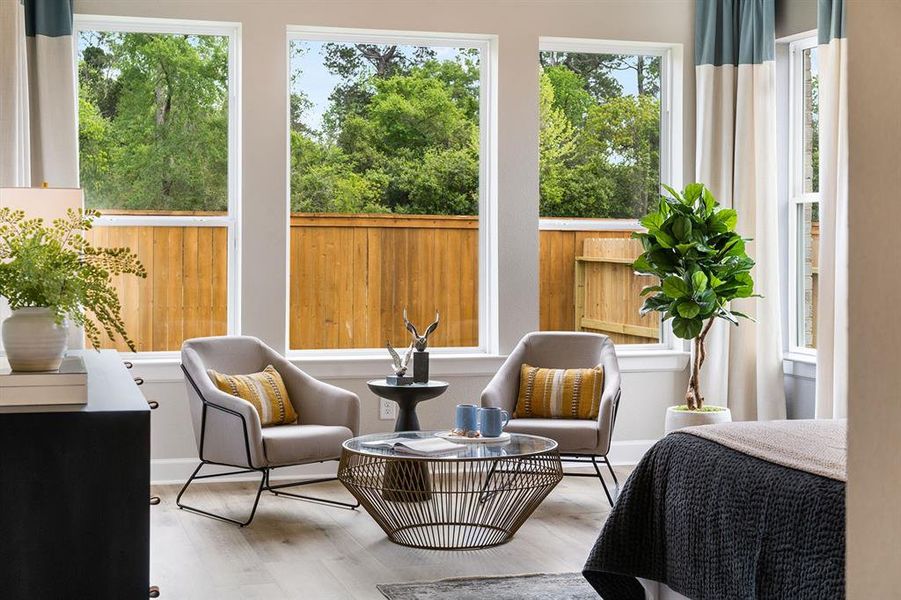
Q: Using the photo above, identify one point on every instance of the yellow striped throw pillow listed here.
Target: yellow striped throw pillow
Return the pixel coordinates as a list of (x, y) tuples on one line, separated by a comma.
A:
[(559, 393), (265, 390)]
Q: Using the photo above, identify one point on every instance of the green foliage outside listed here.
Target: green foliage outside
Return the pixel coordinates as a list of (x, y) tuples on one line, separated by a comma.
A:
[(400, 133), (599, 143), (54, 266), (153, 121), (692, 248)]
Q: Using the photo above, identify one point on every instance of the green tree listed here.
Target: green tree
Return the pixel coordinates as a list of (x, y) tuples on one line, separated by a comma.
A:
[(323, 180), (556, 147), (569, 93), (411, 113), (410, 146), (593, 68), (299, 102), (606, 163), (97, 85), (443, 182), (355, 65), (626, 131), (154, 121)]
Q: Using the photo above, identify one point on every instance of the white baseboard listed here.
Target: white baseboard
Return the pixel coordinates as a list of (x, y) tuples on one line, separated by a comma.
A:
[(177, 470), (629, 452)]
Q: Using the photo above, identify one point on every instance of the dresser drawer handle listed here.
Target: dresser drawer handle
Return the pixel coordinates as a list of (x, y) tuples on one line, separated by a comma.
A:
[(154, 592), (154, 500), (128, 364), (153, 404), (139, 381)]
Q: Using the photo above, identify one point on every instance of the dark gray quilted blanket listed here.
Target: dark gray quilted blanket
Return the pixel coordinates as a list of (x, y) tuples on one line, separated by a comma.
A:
[(714, 524)]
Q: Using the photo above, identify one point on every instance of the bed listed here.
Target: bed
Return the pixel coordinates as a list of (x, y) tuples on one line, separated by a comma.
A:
[(736, 510)]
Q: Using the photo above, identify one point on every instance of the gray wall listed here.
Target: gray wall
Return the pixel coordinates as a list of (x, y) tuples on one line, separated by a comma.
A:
[(795, 16)]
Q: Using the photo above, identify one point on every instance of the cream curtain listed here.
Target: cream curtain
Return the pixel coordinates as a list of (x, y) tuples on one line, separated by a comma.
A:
[(38, 135), (832, 317), (38, 107), (736, 149)]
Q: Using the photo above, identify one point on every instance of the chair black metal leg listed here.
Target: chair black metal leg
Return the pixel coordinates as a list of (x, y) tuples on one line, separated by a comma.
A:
[(601, 478), (612, 473), (264, 480), (276, 490)]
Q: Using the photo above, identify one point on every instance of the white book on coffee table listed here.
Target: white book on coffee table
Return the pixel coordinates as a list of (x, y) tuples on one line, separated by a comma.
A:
[(417, 447)]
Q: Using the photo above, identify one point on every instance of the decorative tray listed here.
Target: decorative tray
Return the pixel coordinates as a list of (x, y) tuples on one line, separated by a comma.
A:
[(462, 439)]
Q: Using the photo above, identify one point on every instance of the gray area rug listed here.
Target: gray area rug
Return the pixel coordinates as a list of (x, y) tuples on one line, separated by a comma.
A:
[(558, 586)]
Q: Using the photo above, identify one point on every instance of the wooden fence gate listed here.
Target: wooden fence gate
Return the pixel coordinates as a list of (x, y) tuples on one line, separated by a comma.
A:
[(607, 292)]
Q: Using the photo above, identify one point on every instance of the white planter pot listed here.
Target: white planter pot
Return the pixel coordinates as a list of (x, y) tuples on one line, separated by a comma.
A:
[(33, 341), (677, 419)]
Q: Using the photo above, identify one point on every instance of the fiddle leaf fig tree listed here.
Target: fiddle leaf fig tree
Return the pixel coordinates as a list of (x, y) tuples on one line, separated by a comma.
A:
[(692, 248)]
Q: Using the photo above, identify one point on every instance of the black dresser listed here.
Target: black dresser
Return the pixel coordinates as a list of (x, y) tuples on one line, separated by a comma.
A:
[(74, 492)]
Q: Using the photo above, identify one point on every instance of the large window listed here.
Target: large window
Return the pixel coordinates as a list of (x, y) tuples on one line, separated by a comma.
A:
[(388, 136), (156, 108), (605, 147), (804, 194)]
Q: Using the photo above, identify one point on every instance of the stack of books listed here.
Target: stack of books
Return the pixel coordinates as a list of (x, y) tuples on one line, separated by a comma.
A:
[(67, 385)]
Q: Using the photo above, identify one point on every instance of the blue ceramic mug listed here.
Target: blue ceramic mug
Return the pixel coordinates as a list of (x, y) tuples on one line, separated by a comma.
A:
[(467, 418), (492, 421)]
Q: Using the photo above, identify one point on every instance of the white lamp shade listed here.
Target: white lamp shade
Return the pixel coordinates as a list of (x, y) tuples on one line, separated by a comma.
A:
[(44, 203)]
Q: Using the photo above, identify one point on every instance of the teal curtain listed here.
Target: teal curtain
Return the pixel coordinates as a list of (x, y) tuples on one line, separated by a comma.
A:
[(733, 32), (51, 18)]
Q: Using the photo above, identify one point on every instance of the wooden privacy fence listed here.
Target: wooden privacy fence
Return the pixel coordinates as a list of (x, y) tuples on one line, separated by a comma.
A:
[(185, 294), (351, 276), (811, 287)]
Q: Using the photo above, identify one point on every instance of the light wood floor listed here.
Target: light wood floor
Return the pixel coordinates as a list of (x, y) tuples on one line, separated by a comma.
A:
[(296, 549)]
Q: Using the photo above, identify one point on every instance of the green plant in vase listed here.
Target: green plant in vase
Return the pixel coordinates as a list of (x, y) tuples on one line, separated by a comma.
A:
[(50, 274), (692, 248)]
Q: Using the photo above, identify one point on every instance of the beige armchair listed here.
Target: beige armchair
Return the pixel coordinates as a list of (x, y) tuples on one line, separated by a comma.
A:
[(227, 428), (578, 440)]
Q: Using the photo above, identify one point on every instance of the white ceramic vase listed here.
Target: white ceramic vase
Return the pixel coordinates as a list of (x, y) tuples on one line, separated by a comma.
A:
[(33, 341), (677, 419)]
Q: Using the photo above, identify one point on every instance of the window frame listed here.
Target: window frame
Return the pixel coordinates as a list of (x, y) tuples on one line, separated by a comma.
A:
[(795, 191), (670, 149), (487, 251), (231, 221)]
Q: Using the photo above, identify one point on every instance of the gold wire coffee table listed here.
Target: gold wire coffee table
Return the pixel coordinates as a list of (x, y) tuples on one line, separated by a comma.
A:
[(476, 498)]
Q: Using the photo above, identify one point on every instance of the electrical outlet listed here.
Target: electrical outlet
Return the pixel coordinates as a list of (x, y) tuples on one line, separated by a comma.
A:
[(387, 410)]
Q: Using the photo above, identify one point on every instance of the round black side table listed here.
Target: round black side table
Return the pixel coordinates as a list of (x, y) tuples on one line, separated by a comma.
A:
[(407, 397)]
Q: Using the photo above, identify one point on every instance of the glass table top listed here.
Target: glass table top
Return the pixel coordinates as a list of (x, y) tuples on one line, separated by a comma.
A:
[(519, 444), (431, 383)]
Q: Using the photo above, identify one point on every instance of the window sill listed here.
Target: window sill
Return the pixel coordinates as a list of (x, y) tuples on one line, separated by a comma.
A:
[(166, 369), (798, 364)]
